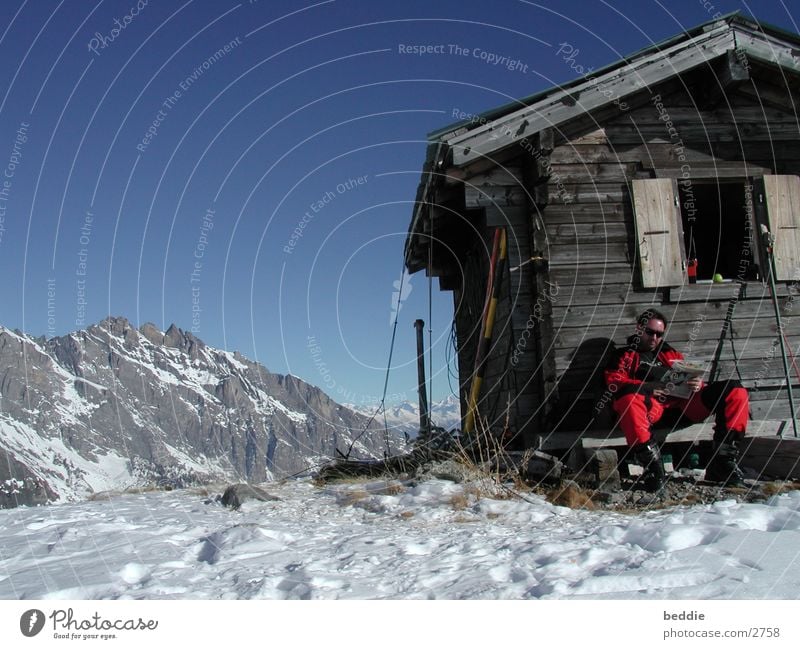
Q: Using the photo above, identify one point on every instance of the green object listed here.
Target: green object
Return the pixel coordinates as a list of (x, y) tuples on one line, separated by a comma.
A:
[(694, 461), (717, 279)]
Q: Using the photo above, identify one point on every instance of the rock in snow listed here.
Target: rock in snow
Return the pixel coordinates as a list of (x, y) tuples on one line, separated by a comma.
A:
[(237, 494)]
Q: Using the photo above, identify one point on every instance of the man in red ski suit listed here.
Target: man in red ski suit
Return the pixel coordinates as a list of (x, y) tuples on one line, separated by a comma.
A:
[(640, 398)]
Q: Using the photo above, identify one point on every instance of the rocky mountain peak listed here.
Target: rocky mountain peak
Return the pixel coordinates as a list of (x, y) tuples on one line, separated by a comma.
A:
[(115, 325), (113, 406), (152, 333), (186, 341)]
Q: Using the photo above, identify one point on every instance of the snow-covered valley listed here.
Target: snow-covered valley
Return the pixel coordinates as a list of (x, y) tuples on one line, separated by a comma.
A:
[(388, 540)]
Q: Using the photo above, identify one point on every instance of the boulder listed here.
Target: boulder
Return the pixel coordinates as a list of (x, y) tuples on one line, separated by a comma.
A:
[(237, 494)]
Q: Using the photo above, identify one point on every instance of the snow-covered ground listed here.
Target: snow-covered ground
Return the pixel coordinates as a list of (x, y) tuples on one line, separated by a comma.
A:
[(387, 540)]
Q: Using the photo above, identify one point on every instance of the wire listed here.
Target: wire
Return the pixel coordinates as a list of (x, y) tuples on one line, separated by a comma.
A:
[(430, 327), (451, 354), (382, 404)]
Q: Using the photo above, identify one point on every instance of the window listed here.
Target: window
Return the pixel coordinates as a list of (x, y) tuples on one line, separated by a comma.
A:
[(718, 223), (719, 230)]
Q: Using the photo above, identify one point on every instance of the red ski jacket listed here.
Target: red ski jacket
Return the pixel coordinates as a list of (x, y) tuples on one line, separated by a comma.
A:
[(620, 375)]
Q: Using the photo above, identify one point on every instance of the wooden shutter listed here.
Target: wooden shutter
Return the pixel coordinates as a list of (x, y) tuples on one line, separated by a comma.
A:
[(782, 194), (659, 232)]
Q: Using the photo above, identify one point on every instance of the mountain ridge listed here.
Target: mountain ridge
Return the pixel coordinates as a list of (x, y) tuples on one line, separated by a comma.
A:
[(114, 406), (403, 417)]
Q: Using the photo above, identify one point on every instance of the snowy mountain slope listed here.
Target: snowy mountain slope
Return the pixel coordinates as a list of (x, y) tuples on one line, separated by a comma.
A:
[(433, 540), (113, 406), (404, 417)]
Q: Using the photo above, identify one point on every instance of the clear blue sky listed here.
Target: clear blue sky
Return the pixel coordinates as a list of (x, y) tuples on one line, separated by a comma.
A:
[(162, 155)]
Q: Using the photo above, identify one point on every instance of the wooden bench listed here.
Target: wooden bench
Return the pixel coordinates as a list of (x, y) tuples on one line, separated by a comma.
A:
[(770, 446)]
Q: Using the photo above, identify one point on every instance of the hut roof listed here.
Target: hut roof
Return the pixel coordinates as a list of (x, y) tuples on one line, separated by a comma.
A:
[(480, 138)]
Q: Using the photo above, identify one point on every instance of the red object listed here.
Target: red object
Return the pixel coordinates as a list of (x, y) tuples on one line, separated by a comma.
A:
[(637, 411), (620, 376), (691, 271)]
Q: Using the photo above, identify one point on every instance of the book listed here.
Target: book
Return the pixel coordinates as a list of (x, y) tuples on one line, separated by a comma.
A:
[(680, 372)]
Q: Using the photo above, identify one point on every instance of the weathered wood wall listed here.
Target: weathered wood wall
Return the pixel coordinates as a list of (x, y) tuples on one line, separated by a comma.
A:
[(564, 197), (590, 229), (510, 388)]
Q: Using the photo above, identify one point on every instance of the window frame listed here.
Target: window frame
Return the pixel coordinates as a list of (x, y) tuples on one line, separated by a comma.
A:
[(656, 202)]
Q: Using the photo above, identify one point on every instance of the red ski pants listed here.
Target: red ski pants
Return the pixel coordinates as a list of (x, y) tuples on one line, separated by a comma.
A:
[(637, 412)]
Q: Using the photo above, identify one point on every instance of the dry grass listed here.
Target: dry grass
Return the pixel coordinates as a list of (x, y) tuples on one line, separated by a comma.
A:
[(391, 489), (690, 499), (352, 496), (358, 491), (464, 519), (491, 467), (518, 475), (102, 496), (571, 496), (775, 488), (206, 491), (459, 501)]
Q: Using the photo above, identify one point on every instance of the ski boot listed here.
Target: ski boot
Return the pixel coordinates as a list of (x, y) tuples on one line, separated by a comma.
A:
[(647, 455), (723, 467)]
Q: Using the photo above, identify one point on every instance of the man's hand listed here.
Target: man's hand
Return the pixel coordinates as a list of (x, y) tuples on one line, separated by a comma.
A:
[(695, 383)]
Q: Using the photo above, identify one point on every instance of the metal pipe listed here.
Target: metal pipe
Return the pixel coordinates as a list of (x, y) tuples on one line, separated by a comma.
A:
[(424, 416), (769, 240)]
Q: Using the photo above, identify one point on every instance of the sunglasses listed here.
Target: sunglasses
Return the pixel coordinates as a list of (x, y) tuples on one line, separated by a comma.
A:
[(654, 333)]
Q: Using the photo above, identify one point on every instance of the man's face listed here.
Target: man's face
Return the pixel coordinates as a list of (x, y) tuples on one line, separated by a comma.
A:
[(650, 335)]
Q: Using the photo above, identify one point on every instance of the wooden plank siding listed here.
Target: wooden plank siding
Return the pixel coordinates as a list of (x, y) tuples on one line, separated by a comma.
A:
[(589, 223), (504, 385), (558, 171), (508, 391)]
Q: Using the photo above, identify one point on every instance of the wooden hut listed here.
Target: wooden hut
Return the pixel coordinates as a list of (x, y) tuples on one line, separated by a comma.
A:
[(607, 188)]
